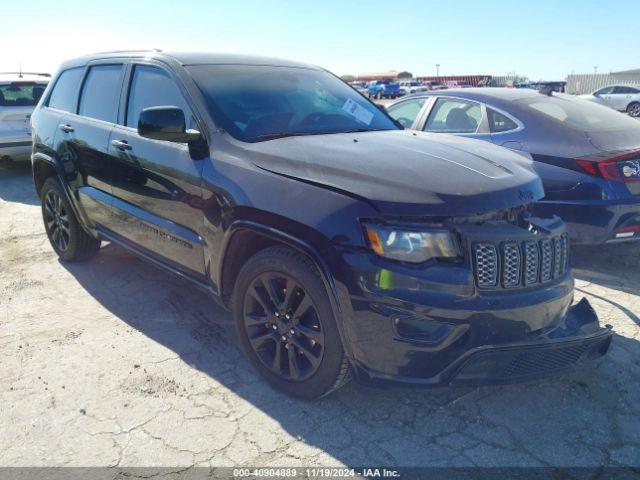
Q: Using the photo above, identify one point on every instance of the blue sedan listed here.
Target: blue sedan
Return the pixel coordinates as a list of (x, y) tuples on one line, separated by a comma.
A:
[(587, 155)]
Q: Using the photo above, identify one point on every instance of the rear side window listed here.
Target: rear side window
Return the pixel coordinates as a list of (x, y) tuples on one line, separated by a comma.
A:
[(101, 93), (153, 87), (625, 90), (454, 116), (499, 122), (21, 94), (65, 91)]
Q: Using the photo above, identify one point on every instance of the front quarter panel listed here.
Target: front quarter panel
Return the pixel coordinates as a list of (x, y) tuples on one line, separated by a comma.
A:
[(236, 190)]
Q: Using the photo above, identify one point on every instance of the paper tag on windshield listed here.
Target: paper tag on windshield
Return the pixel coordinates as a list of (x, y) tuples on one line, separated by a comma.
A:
[(359, 113)]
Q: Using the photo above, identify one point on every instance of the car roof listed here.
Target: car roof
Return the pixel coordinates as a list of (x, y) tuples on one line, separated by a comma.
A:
[(189, 58), (633, 85), (484, 94), (24, 77)]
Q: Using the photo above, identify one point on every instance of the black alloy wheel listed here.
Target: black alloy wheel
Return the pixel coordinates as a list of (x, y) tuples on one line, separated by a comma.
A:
[(56, 220), (283, 326)]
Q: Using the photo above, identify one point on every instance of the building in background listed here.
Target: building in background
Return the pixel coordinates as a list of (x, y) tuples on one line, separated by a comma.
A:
[(579, 84)]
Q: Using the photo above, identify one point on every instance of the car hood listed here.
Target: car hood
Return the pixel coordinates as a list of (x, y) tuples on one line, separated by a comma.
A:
[(403, 172)]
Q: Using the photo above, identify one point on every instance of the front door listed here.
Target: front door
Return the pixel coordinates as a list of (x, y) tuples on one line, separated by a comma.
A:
[(157, 184)]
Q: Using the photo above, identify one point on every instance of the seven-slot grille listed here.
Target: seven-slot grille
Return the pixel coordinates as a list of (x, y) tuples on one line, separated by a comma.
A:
[(513, 264)]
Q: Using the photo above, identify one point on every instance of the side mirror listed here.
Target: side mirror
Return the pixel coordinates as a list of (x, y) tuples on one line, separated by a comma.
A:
[(165, 123)]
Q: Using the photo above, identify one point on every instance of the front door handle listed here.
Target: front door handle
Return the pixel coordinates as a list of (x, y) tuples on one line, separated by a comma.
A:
[(121, 144), (66, 128)]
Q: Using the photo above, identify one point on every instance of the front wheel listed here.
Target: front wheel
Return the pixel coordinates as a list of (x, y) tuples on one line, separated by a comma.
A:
[(286, 325), (65, 234), (634, 110)]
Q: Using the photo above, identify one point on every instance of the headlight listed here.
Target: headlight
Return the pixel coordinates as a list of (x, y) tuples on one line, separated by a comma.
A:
[(410, 245)]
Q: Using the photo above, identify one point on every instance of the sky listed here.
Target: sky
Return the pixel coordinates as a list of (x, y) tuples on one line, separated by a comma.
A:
[(539, 39)]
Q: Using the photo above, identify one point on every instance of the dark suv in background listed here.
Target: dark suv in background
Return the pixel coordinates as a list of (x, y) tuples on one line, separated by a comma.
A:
[(341, 242)]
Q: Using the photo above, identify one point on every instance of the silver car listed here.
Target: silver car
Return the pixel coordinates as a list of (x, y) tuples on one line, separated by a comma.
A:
[(19, 94), (624, 98)]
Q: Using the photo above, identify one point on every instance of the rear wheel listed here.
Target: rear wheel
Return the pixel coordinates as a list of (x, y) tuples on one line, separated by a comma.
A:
[(67, 237), (286, 325), (634, 110)]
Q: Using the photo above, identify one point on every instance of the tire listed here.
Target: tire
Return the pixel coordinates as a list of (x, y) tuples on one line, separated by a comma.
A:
[(70, 242), (634, 109), (298, 351)]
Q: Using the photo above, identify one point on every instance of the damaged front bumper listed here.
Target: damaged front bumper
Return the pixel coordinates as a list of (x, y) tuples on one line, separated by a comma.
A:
[(577, 341)]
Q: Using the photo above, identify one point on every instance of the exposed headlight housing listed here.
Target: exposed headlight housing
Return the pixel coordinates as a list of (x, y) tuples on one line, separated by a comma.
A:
[(411, 245)]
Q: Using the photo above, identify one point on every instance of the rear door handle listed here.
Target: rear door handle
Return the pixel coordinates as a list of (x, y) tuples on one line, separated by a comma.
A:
[(121, 144), (66, 128)]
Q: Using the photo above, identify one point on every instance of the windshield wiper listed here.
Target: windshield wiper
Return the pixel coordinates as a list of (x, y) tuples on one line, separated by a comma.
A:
[(273, 136)]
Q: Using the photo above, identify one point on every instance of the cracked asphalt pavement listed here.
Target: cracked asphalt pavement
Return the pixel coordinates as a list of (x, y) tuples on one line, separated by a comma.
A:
[(116, 363)]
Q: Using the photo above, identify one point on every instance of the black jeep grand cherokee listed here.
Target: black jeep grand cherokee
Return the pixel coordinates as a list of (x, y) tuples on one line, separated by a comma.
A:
[(342, 243)]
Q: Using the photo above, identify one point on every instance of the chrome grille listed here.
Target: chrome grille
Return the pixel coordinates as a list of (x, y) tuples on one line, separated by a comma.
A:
[(557, 256), (546, 261), (516, 264), (511, 265), (486, 259), (531, 260)]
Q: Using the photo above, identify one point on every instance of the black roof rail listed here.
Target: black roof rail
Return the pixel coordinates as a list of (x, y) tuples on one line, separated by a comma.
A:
[(129, 51), (41, 74)]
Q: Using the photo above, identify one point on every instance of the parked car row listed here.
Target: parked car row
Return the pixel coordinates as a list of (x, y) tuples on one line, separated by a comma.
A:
[(379, 89), (344, 244)]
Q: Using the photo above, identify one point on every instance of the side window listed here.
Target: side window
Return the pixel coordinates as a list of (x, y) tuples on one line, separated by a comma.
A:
[(499, 122), (65, 91), (101, 93), (604, 91), (153, 87), (625, 90), (454, 116), (406, 112)]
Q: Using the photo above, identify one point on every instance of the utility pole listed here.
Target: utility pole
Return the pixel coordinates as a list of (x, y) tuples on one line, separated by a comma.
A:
[(595, 70), (438, 71)]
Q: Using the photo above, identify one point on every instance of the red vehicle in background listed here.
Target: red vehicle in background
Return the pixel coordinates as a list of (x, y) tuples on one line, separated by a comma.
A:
[(434, 85), (457, 84)]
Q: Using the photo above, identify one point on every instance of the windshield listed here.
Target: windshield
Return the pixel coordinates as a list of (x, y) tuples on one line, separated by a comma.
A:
[(255, 103), (579, 114)]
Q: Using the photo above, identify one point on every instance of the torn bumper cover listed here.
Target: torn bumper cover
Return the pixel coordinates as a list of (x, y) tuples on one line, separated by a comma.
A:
[(577, 341)]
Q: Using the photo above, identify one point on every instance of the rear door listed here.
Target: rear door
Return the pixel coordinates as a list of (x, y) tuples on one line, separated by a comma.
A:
[(157, 184), (84, 139), (458, 116), (621, 97)]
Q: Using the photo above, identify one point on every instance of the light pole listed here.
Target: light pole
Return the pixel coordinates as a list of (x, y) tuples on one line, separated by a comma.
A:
[(438, 71), (595, 70)]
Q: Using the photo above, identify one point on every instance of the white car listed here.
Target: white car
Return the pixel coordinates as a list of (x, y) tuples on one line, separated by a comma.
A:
[(361, 88), (625, 98), (19, 94), (409, 87)]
